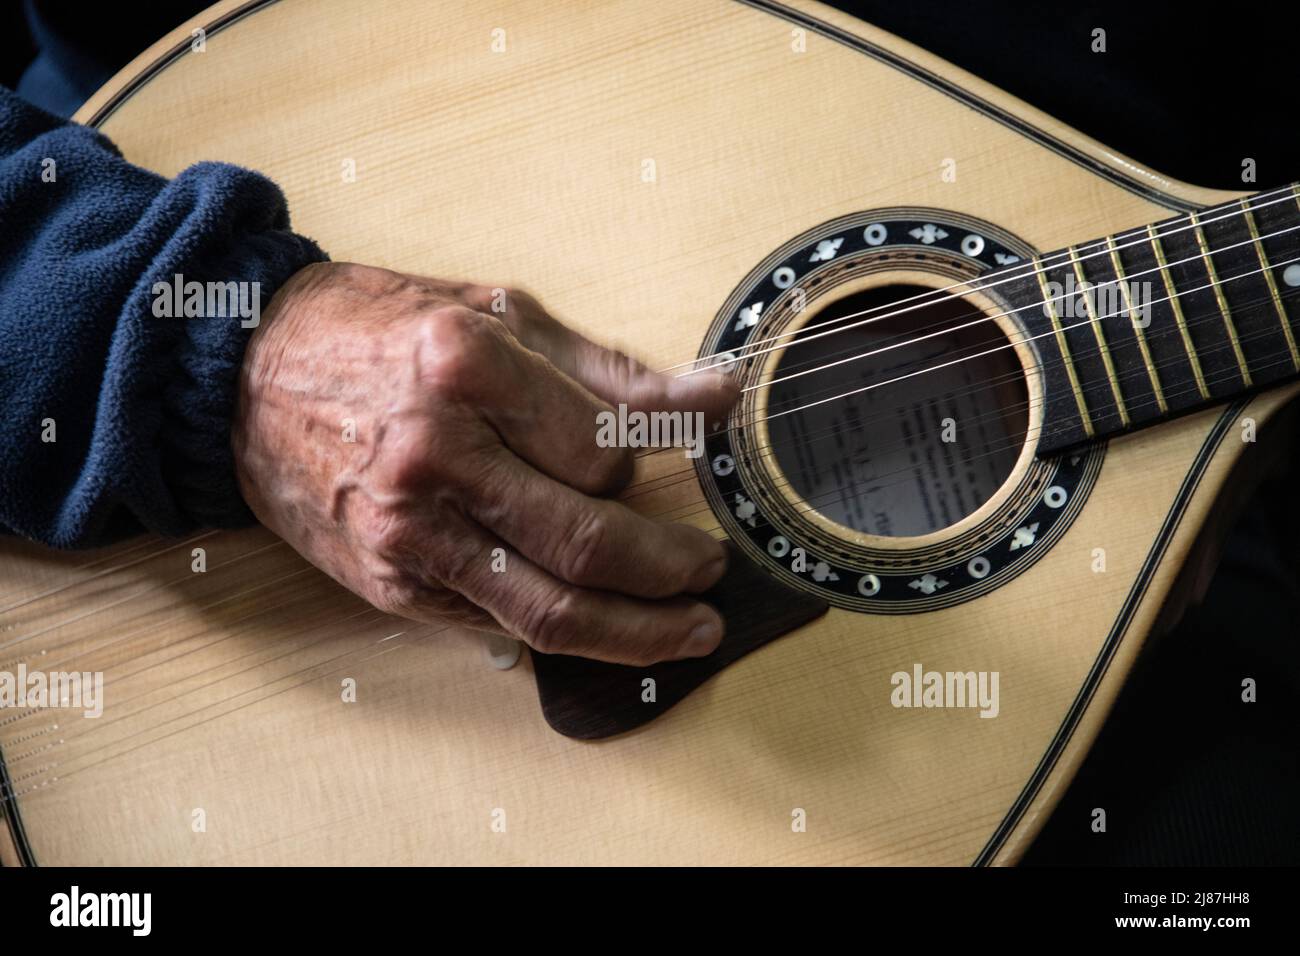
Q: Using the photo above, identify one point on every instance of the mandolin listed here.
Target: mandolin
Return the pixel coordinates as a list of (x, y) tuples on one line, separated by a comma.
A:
[(998, 384)]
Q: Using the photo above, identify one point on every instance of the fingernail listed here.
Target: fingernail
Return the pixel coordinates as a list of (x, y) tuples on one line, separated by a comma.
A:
[(700, 384), (726, 384), (709, 574), (704, 639)]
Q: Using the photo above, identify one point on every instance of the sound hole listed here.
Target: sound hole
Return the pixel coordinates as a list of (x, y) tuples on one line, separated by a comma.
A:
[(931, 430)]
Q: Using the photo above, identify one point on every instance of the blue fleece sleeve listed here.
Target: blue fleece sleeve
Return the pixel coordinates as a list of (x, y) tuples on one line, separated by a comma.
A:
[(116, 419)]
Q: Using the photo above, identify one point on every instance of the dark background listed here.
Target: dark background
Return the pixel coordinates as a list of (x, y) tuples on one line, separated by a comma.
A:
[(1187, 773)]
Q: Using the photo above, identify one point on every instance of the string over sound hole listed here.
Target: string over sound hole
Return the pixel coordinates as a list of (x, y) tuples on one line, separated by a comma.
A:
[(901, 425)]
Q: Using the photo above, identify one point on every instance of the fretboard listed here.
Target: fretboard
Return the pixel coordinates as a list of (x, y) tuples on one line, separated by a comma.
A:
[(1182, 314)]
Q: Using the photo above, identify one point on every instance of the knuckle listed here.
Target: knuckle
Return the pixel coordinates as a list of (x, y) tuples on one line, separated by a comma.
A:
[(412, 573), (623, 367), (516, 311), (406, 596), (550, 625), (454, 346), (585, 548), (488, 491), (452, 563), (491, 299), (398, 594), (387, 534)]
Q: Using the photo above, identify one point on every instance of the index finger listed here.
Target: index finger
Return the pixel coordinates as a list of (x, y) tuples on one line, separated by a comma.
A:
[(608, 373)]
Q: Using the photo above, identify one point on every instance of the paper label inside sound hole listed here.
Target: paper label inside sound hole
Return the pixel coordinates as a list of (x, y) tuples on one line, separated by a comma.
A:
[(925, 423)]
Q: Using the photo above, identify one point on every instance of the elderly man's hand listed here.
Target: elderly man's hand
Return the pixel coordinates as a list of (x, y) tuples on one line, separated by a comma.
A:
[(395, 430)]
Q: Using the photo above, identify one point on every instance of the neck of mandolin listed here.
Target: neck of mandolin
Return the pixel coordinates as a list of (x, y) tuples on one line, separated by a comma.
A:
[(1155, 322)]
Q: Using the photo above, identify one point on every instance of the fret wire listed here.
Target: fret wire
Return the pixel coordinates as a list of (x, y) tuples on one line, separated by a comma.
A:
[(998, 277), (1010, 344), (1267, 272), (1138, 330), (1178, 312), (1058, 330), (934, 330), (1084, 417), (1035, 262), (1219, 297), (1102, 347)]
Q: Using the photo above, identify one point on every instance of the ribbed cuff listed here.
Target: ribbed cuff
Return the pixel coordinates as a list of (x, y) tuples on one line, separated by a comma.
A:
[(197, 461)]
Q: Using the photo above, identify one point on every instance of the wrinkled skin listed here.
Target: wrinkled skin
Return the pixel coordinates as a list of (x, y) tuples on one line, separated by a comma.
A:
[(474, 430)]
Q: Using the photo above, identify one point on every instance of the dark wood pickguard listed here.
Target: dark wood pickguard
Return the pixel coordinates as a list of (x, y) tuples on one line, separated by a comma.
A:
[(589, 699)]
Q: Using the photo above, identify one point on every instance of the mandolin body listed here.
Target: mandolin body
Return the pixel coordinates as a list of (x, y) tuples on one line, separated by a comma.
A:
[(630, 164)]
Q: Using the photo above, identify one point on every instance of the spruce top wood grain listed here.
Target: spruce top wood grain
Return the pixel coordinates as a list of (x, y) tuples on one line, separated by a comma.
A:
[(528, 167)]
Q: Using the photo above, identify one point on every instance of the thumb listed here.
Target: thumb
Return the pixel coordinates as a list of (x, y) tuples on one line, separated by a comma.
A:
[(619, 378), (614, 376)]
